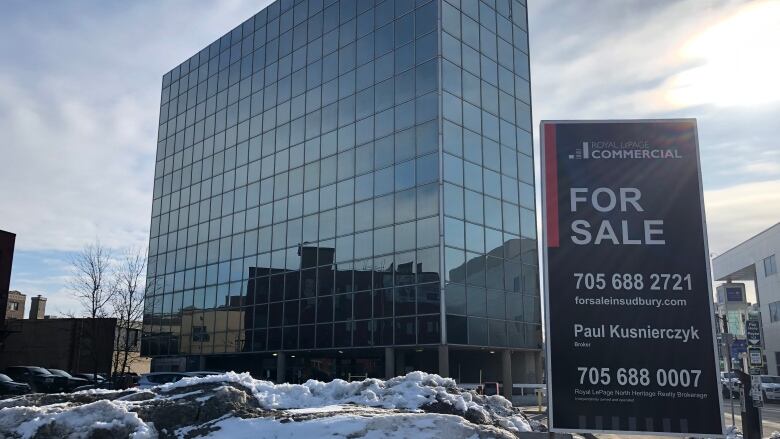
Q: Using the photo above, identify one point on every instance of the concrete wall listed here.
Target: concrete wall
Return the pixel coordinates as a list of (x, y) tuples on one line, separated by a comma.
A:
[(746, 262), (60, 343)]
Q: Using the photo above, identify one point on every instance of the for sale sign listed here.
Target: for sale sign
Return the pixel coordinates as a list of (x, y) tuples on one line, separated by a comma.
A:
[(630, 334)]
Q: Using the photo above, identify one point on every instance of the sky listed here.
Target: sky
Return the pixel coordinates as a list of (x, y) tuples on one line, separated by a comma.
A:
[(80, 88)]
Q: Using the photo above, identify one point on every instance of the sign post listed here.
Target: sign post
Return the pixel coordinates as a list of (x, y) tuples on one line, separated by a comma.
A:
[(755, 358), (753, 332), (629, 321)]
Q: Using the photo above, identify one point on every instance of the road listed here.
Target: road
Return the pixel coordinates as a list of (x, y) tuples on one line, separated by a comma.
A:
[(770, 416)]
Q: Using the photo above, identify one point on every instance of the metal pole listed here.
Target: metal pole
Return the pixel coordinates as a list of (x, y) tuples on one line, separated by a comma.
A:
[(731, 381), (727, 359), (731, 397), (539, 400)]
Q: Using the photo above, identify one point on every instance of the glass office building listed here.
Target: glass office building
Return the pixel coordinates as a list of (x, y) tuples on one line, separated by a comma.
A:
[(346, 188)]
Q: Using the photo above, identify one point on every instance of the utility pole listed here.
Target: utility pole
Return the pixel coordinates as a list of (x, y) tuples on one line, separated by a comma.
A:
[(727, 339)]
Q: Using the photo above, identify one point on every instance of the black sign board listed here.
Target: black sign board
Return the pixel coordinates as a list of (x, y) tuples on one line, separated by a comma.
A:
[(753, 332), (734, 294), (629, 326)]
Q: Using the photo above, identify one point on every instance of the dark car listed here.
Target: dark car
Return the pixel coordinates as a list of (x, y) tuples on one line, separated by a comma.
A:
[(73, 382), (11, 387), (39, 379), (730, 384), (490, 388), (124, 381)]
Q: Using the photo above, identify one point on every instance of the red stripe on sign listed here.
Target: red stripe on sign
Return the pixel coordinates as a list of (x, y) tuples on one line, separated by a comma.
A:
[(551, 185)]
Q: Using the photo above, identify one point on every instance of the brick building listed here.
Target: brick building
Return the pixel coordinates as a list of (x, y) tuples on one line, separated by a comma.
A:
[(60, 343), (37, 307), (16, 302)]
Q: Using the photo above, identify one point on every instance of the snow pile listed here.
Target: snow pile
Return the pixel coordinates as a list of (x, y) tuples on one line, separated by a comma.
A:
[(732, 432), (417, 426), (410, 392), (236, 406), (59, 420)]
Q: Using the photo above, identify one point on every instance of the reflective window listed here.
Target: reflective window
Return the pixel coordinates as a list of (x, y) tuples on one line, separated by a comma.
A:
[(478, 331), (297, 193)]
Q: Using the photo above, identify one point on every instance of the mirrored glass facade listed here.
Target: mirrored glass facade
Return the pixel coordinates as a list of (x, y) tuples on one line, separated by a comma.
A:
[(336, 174)]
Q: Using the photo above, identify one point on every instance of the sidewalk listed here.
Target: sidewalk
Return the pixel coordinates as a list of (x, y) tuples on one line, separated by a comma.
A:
[(770, 414)]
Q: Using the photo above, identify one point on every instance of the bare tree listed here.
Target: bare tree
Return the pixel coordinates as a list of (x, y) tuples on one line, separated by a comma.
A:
[(127, 303), (91, 286), (91, 281)]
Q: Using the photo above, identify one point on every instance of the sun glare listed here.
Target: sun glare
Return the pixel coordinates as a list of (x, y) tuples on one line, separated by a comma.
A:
[(737, 60)]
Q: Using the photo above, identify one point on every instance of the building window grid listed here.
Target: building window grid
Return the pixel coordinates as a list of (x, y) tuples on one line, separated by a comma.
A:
[(457, 116), (774, 311), (770, 265), (164, 91)]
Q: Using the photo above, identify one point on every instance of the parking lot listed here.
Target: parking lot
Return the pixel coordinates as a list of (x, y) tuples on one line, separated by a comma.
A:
[(19, 380)]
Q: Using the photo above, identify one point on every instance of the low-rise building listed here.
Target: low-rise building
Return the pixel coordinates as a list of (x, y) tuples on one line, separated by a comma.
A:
[(77, 345), (129, 340), (755, 260), (732, 306)]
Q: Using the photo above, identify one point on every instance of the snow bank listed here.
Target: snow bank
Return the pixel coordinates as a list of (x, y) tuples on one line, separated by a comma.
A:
[(732, 432), (80, 421), (400, 426), (409, 392), (236, 405)]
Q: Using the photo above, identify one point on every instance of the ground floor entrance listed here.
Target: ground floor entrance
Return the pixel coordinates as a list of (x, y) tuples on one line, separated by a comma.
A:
[(467, 365)]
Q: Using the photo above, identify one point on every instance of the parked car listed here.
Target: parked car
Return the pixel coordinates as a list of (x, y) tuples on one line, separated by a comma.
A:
[(490, 388), (11, 387), (729, 383), (73, 382), (91, 378), (203, 373), (129, 379), (134, 377), (157, 378), (152, 379), (770, 387), (39, 379)]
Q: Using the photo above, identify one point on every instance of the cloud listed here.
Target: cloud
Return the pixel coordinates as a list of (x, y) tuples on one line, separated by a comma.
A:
[(46, 273), (741, 211), (632, 59), (78, 113), (733, 69), (79, 103)]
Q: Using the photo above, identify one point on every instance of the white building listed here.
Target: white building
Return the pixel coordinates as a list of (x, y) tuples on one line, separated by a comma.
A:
[(755, 260)]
